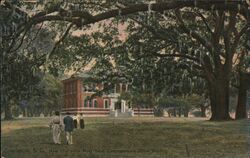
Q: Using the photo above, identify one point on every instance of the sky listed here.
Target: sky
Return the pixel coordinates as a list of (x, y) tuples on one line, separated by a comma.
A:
[(94, 27)]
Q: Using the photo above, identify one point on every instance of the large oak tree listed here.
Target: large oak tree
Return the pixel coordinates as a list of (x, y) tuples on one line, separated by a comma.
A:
[(80, 15)]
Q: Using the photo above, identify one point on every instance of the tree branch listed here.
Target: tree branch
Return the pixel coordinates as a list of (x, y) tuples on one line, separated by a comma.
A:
[(21, 42), (159, 7), (177, 55), (239, 35), (218, 30), (148, 27), (153, 31), (228, 45), (193, 34), (35, 36), (205, 22), (60, 40)]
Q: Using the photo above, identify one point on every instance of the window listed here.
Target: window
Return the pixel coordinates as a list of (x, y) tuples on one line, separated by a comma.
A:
[(95, 104), (106, 103), (86, 102), (90, 103), (67, 88), (66, 103), (74, 102), (117, 88), (69, 102), (124, 87), (71, 88)]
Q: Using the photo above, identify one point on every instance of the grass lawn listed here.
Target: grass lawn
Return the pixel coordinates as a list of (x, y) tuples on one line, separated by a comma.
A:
[(128, 138)]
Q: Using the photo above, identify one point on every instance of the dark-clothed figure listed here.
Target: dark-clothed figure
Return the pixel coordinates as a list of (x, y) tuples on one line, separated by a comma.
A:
[(75, 123), (82, 125), (68, 127)]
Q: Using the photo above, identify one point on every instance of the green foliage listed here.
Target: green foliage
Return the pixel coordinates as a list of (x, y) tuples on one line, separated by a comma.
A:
[(21, 69), (45, 97), (177, 105), (126, 96), (139, 100), (194, 100), (49, 96), (196, 113), (187, 102), (143, 100), (158, 112)]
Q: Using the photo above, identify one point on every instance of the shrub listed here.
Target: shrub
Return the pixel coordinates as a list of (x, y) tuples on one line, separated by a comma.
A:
[(158, 112), (196, 113)]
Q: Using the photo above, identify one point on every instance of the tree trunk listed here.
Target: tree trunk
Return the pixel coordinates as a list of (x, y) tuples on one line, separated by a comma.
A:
[(179, 113), (186, 111), (25, 112), (7, 112), (219, 96), (174, 112), (242, 97)]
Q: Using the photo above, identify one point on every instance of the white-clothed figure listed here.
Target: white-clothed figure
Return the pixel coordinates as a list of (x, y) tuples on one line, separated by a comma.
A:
[(56, 125), (78, 117)]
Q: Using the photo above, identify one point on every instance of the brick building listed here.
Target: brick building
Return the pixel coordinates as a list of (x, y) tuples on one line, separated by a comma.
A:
[(77, 97)]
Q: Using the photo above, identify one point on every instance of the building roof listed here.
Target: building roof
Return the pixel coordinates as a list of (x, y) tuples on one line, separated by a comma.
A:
[(79, 75)]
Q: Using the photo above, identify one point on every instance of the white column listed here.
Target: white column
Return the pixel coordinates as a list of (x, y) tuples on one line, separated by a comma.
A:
[(112, 104), (120, 88), (123, 106)]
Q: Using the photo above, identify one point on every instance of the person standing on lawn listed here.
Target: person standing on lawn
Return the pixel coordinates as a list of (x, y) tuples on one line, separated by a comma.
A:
[(82, 125), (56, 125), (68, 127), (75, 122)]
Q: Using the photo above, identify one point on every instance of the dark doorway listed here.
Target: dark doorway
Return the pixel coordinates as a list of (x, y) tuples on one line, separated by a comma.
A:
[(118, 105)]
